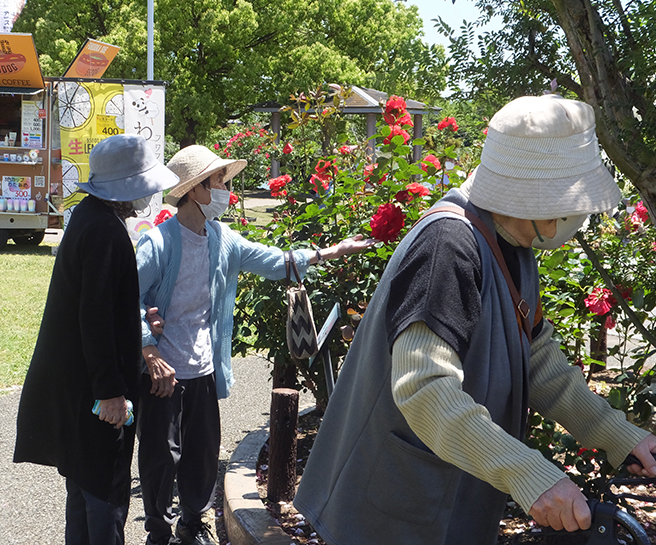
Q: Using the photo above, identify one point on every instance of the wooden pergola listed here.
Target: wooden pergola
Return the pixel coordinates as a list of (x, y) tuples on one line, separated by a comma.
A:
[(362, 101)]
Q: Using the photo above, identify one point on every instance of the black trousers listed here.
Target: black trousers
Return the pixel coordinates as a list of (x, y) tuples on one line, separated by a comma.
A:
[(92, 521), (178, 436)]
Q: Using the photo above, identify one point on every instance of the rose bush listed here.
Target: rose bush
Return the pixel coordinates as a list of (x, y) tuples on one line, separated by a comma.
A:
[(325, 198), (255, 144)]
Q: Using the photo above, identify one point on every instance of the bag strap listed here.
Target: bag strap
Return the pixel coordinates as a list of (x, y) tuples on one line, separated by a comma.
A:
[(290, 265), (522, 309)]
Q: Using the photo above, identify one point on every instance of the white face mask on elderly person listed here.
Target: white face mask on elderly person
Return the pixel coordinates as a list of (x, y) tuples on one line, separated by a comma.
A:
[(217, 206), (566, 228)]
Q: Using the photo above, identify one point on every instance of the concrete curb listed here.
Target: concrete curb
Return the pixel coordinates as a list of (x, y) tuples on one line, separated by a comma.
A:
[(247, 521)]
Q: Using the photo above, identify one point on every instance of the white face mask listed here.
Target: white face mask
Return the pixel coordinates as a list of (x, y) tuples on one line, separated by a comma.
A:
[(217, 206), (566, 228), (141, 204)]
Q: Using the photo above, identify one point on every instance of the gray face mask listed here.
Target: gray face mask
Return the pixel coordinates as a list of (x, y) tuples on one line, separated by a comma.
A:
[(139, 205), (217, 206), (566, 228)]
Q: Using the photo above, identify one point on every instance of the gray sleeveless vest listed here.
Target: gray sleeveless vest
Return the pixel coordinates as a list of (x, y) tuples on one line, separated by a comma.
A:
[(369, 479)]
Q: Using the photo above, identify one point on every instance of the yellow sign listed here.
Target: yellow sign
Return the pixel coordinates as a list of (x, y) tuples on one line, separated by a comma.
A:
[(19, 65), (92, 60), (89, 112)]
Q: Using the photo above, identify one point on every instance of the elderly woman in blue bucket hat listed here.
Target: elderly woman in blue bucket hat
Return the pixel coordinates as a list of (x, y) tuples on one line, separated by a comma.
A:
[(77, 364)]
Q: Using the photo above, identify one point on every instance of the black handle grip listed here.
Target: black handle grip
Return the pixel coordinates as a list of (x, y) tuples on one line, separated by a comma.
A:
[(631, 459)]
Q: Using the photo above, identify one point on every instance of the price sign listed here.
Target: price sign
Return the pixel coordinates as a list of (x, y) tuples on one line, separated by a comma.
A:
[(106, 125), (16, 187)]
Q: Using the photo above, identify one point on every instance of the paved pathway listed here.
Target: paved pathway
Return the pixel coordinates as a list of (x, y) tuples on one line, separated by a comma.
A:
[(32, 497)]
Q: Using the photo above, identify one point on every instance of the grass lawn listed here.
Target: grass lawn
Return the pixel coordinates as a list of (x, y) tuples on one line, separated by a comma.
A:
[(24, 279)]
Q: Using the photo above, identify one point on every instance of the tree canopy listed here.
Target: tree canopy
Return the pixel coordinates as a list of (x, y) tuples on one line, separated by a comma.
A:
[(222, 56), (600, 51)]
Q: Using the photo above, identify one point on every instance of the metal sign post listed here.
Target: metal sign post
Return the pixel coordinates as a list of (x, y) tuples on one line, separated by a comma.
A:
[(324, 350)]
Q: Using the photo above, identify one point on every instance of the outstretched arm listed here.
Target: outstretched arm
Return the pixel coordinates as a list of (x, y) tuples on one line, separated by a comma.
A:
[(345, 247)]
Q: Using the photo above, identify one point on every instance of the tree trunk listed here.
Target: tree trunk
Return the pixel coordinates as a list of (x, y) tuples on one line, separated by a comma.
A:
[(610, 92), (599, 349), (282, 445)]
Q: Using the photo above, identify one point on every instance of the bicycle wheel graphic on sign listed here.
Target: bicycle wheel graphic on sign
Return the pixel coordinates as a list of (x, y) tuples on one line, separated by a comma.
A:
[(76, 106)]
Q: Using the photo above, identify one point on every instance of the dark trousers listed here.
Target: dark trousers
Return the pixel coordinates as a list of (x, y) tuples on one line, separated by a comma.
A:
[(178, 436), (91, 521)]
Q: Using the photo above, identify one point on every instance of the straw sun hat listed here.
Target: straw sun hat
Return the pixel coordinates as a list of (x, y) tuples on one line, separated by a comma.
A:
[(123, 168), (541, 161), (195, 163)]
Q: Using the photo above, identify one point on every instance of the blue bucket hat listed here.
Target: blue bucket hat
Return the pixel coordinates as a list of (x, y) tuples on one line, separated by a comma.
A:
[(124, 168)]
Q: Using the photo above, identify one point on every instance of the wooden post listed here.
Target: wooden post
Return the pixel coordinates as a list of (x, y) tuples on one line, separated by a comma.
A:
[(282, 445), (371, 130), (275, 127), (417, 133)]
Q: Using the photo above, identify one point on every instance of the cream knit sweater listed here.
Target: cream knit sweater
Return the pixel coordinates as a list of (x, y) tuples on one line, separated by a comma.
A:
[(427, 380)]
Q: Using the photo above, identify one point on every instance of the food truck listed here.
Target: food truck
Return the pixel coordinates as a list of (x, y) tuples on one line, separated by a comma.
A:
[(48, 127)]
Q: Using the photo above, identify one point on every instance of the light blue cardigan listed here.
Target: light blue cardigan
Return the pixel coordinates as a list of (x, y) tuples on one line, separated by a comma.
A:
[(159, 254)]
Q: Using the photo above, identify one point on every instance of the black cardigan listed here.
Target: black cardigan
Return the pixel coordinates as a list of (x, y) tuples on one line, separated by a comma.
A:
[(89, 347)]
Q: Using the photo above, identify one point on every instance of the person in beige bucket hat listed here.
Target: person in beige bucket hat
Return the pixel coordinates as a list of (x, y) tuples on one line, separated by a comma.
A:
[(188, 269), (423, 437)]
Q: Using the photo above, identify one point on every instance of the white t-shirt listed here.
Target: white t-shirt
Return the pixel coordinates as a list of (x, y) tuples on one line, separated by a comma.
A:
[(186, 344)]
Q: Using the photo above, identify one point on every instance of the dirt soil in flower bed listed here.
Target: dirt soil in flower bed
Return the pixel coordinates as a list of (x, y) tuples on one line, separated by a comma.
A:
[(515, 527)]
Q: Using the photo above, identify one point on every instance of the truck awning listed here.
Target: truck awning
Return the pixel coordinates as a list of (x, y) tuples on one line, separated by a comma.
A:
[(19, 91)]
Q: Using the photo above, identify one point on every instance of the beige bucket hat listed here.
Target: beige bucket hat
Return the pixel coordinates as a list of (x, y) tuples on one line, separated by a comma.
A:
[(541, 161), (195, 163)]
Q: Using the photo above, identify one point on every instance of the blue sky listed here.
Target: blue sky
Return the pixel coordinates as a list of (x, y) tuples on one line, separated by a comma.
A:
[(453, 14)]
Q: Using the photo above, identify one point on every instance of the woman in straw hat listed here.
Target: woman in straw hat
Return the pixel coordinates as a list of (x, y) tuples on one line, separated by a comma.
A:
[(422, 439), (188, 269), (76, 363)]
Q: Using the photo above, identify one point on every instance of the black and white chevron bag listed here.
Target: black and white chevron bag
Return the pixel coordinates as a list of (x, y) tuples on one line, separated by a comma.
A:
[(301, 332)]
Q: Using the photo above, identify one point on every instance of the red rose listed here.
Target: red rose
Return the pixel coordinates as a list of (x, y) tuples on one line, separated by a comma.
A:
[(485, 131), (162, 217), (641, 212), (387, 223), (448, 122), (395, 110), (233, 199), (397, 130), (346, 150), (610, 322), (317, 181), (287, 149), (403, 196), (417, 190), (405, 119), (325, 170), (216, 147), (276, 185), (430, 161), (244, 222), (600, 301)]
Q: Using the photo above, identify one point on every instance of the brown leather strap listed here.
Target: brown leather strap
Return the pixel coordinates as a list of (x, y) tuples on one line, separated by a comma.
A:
[(522, 309)]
